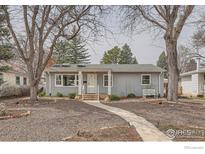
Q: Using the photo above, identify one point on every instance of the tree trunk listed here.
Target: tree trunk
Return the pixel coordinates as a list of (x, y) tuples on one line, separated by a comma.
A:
[(33, 92), (173, 73)]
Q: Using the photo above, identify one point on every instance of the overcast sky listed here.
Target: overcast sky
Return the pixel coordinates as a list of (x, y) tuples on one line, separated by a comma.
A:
[(144, 46)]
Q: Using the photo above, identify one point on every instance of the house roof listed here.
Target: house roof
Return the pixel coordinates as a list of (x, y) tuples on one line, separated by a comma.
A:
[(104, 67), (201, 70)]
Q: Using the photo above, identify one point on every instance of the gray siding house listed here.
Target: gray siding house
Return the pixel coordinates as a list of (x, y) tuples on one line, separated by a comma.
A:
[(116, 79)]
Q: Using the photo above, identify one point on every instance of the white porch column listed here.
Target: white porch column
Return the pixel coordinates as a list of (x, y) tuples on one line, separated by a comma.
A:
[(49, 84), (109, 82), (80, 76)]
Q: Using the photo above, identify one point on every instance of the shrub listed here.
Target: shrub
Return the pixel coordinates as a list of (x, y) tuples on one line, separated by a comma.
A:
[(10, 91), (131, 95), (114, 98), (59, 94), (72, 95), (200, 96), (41, 94)]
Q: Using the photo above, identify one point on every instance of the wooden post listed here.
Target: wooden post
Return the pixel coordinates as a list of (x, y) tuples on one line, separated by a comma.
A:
[(49, 84), (80, 82), (109, 82)]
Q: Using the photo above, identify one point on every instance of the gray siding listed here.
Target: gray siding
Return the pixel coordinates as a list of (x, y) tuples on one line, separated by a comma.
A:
[(123, 84), (54, 89)]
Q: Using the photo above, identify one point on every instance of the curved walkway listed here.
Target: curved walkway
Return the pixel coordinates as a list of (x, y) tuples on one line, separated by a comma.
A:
[(146, 130)]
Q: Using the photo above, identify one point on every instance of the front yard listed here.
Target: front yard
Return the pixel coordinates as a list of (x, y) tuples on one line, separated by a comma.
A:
[(186, 119), (67, 120), (64, 120)]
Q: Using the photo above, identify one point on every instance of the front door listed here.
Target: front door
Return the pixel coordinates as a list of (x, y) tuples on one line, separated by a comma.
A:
[(91, 83)]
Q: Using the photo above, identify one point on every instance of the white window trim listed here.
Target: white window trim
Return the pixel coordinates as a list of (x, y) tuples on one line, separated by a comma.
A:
[(75, 81), (111, 79), (19, 80), (150, 79)]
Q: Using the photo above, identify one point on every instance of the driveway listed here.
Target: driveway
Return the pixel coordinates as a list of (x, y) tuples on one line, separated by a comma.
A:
[(55, 121)]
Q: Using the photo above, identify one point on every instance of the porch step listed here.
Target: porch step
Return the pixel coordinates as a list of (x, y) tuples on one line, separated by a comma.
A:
[(90, 97)]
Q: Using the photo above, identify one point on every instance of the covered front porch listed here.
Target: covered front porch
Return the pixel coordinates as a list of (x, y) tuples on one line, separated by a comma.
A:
[(94, 83)]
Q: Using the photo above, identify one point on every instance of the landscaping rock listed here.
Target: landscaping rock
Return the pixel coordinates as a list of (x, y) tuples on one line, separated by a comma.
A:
[(107, 99), (84, 134)]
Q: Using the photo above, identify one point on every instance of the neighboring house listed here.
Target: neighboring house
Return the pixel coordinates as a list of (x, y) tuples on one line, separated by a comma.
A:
[(108, 79), (13, 78), (193, 83)]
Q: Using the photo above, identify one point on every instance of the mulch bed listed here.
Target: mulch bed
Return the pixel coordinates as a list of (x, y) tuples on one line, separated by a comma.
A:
[(15, 114), (107, 134)]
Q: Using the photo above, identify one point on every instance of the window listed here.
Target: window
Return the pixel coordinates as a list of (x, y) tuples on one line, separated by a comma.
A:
[(18, 80), (146, 79), (66, 80), (24, 81), (58, 80), (105, 80), (69, 80)]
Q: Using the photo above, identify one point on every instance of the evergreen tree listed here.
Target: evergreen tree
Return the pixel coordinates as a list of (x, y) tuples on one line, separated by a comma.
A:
[(126, 56), (73, 52), (5, 46), (111, 56), (162, 62), (134, 61), (60, 52), (119, 56)]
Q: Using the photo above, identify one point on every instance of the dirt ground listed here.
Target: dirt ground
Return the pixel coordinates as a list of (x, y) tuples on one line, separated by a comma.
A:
[(186, 119), (108, 134), (54, 121)]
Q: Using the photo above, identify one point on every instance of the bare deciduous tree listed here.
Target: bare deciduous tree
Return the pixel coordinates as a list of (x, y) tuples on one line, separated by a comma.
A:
[(168, 19), (186, 61), (43, 27)]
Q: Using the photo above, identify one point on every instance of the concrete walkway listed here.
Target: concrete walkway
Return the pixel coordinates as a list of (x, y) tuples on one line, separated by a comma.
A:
[(146, 130)]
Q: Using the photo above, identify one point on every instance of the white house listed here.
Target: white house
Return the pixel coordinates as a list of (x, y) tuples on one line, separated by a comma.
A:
[(193, 82), (13, 78)]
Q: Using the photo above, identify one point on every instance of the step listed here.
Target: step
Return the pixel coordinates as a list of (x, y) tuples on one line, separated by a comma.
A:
[(90, 97)]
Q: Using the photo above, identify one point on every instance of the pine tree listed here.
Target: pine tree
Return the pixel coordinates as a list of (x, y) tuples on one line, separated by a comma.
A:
[(5, 46), (119, 56), (162, 62), (134, 60), (73, 52), (60, 52), (126, 56), (111, 56)]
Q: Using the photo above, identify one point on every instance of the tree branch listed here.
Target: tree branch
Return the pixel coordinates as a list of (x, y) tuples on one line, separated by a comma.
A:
[(155, 22)]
